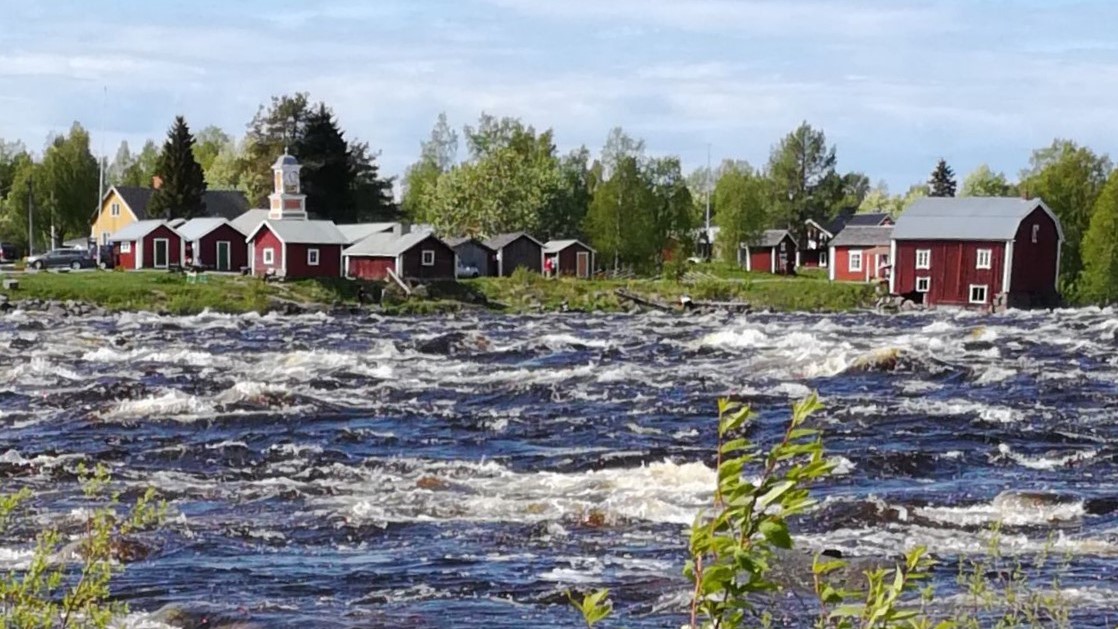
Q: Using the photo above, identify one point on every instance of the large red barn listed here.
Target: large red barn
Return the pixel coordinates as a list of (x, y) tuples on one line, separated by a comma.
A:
[(412, 256), (150, 244), (978, 251)]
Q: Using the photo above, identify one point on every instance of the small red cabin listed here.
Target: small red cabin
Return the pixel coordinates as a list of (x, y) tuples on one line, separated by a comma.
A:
[(570, 257), (213, 243), (861, 254), (978, 251), (151, 244), (774, 251), (412, 256), (295, 249)]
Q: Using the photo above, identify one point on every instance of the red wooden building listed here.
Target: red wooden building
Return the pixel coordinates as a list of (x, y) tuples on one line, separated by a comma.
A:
[(213, 243), (150, 244), (861, 254), (818, 235), (978, 251), (412, 256), (296, 249), (774, 251), (570, 257)]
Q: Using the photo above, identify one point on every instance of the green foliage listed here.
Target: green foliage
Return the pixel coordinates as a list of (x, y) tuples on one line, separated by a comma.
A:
[(138, 171), (942, 181), (1069, 178), (181, 193), (983, 182), (741, 196), (594, 607), (1099, 281), (209, 142), (48, 593), (802, 172)]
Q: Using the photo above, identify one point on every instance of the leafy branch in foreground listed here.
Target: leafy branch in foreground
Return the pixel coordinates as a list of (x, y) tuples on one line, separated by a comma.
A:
[(50, 593)]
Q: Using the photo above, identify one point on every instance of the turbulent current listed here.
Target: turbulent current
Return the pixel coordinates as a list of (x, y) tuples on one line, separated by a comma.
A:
[(467, 472)]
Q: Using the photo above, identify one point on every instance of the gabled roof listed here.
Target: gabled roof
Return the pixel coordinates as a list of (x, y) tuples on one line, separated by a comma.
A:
[(454, 243), (196, 228), (248, 221), (859, 236), (387, 245), (771, 238), (226, 204), (500, 241), (139, 229), (555, 246), (303, 232), (136, 198), (967, 218), (868, 219), (359, 231)]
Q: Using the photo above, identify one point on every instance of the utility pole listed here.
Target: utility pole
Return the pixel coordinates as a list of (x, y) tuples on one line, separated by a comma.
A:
[(30, 216), (710, 190), (101, 177)]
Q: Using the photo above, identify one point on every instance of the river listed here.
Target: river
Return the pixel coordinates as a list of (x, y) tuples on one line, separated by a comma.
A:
[(466, 472)]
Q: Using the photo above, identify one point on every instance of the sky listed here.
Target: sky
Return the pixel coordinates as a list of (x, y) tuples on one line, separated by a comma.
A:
[(895, 84)]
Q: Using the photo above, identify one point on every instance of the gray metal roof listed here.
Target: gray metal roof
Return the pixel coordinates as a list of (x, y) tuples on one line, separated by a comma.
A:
[(359, 231), (454, 243), (247, 222), (858, 236), (305, 232), (867, 219), (386, 245), (500, 241), (196, 228), (967, 218), (771, 238), (555, 246), (137, 230)]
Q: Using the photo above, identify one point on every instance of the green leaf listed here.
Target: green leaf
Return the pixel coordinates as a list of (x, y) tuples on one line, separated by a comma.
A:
[(776, 533), (775, 493)]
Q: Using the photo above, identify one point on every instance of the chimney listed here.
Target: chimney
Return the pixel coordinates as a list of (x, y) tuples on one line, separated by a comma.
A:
[(156, 182)]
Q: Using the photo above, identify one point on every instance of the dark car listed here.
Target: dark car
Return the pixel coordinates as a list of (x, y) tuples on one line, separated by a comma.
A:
[(8, 252), (61, 258)]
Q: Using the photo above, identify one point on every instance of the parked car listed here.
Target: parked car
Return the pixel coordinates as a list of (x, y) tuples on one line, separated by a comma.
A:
[(61, 258), (467, 270), (8, 252)]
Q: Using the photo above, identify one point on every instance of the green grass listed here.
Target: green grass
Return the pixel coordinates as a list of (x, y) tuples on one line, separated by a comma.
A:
[(165, 292)]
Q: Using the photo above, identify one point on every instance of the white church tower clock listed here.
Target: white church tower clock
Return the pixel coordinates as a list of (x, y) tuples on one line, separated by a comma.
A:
[(287, 203)]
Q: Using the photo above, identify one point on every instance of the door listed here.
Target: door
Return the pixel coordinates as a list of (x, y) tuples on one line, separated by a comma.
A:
[(582, 263), (161, 249), (223, 255)]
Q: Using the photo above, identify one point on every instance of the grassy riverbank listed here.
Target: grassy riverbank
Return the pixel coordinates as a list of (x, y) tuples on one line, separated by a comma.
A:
[(171, 293)]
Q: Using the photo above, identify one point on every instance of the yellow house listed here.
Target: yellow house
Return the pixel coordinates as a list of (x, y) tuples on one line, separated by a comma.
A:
[(123, 205)]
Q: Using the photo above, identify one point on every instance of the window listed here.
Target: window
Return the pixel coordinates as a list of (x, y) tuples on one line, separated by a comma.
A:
[(428, 257), (855, 261), (978, 293), (1036, 234), (923, 258), (923, 284), (823, 259), (104, 238), (126, 247), (312, 257), (269, 256), (984, 259), (114, 209)]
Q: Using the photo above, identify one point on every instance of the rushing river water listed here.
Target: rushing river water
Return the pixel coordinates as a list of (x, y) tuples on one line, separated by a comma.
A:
[(350, 472)]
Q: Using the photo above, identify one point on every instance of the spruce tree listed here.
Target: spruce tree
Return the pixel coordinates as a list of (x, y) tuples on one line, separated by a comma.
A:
[(180, 195), (942, 183), (327, 176)]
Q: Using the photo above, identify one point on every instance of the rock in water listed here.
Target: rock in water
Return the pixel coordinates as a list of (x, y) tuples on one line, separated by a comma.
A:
[(453, 343), (884, 359)]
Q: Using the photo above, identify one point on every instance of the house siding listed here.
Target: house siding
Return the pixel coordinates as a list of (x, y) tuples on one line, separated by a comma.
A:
[(370, 267), (443, 269), (760, 259), (125, 260), (953, 270), (567, 263), (471, 253), (1033, 276), (762, 262), (264, 239), (106, 223), (329, 261), (206, 254), (174, 247), (521, 252), (871, 262)]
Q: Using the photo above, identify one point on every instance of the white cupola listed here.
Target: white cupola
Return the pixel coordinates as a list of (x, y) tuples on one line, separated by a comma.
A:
[(287, 203)]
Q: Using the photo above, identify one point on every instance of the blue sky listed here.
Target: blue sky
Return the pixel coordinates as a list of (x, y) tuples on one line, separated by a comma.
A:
[(895, 84)]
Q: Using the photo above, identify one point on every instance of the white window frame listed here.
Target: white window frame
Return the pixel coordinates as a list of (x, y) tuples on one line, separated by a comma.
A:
[(985, 288), (823, 259), (855, 255), (1036, 233), (927, 281), (984, 259), (126, 247), (269, 255), (114, 209), (428, 257), (104, 238), (312, 257), (926, 255)]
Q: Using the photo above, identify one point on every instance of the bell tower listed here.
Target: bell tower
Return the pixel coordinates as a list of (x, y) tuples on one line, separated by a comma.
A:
[(287, 202)]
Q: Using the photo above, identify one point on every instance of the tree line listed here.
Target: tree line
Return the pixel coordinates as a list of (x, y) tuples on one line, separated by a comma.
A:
[(502, 174), (52, 197)]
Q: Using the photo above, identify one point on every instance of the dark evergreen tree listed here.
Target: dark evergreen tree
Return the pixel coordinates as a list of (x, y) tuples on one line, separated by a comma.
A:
[(942, 183), (180, 195), (327, 175), (372, 195)]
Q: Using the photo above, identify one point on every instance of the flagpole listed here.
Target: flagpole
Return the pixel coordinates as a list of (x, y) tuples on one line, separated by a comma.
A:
[(101, 175)]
